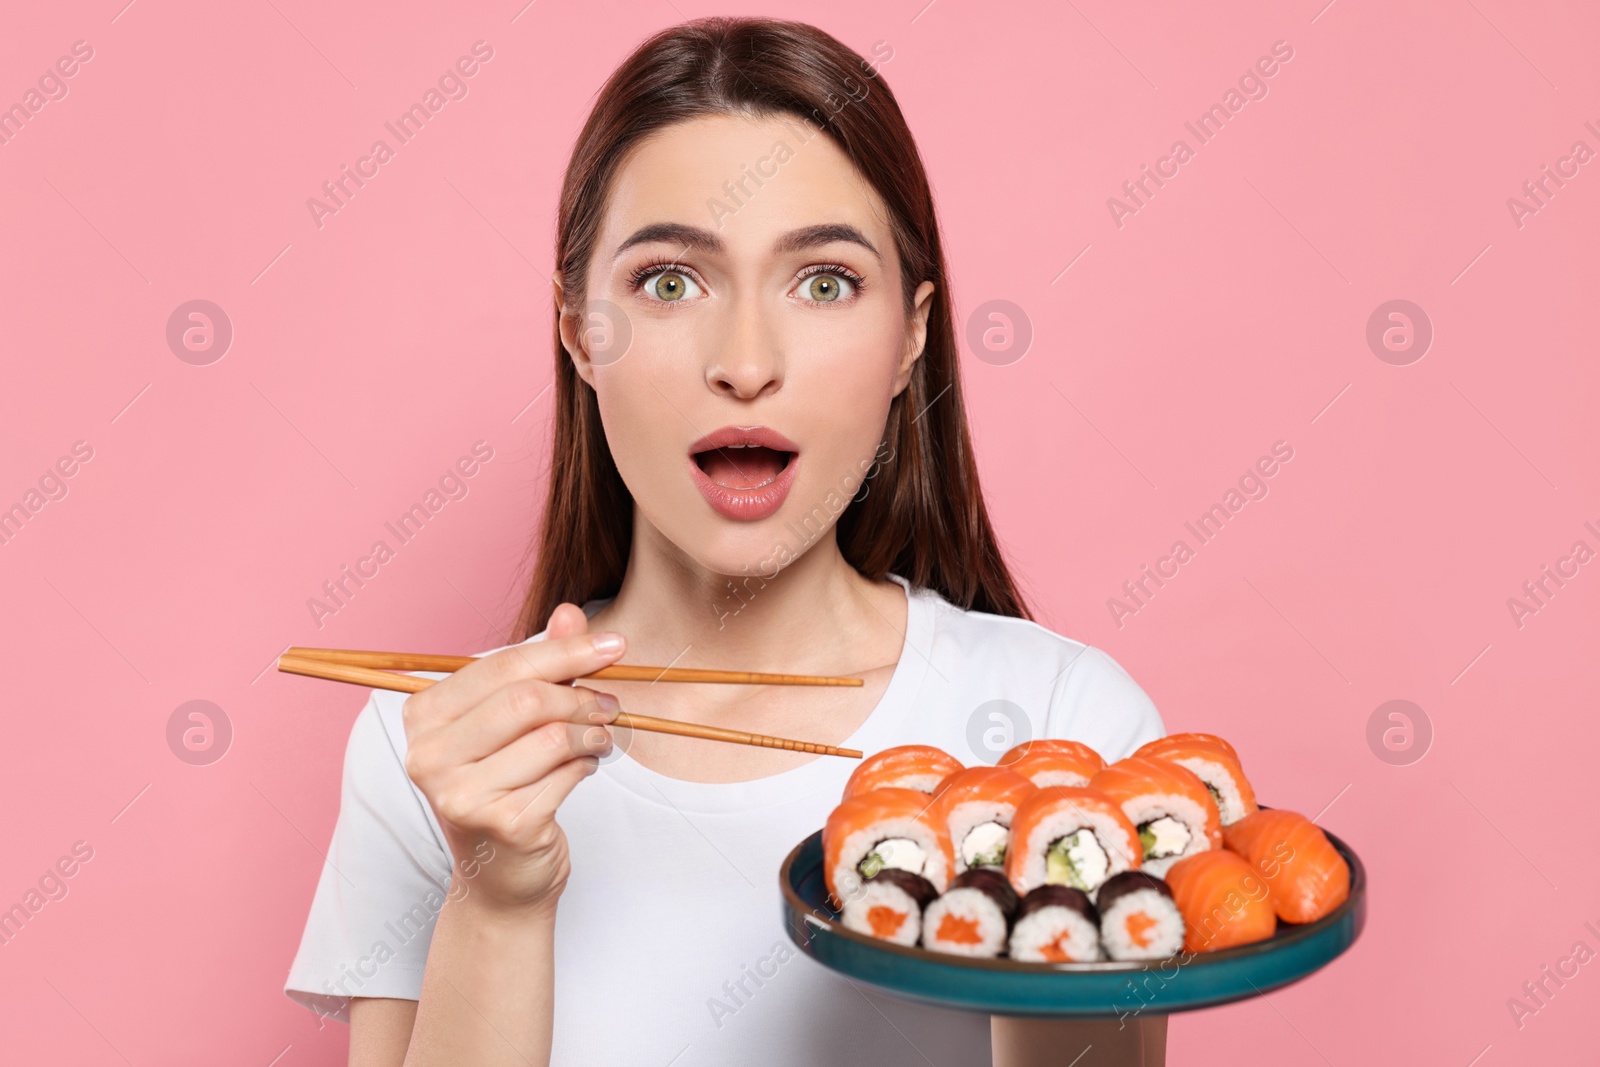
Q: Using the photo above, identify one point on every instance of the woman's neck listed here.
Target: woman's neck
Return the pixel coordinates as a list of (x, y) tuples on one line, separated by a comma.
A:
[(816, 615)]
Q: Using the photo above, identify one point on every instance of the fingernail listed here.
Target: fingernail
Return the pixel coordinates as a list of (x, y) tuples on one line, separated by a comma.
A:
[(607, 644), (608, 704)]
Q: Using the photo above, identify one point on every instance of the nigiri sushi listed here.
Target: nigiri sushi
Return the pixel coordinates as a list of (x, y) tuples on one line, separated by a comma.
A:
[(1139, 920), (1065, 835), (884, 828), (1053, 761), (919, 767), (1056, 924), (1170, 806), (976, 806), (972, 917), (1216, 764), (1307, 875), (1224, 901)]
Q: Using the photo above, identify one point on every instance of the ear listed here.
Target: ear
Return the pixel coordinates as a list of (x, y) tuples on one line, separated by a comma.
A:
[(571, 324), (916, 335)]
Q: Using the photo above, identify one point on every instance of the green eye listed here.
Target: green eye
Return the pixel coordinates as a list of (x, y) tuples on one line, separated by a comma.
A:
[(669, 286), (823, 288)]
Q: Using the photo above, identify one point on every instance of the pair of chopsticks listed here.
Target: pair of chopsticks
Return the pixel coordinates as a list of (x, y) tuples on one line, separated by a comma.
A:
[(373, 669)]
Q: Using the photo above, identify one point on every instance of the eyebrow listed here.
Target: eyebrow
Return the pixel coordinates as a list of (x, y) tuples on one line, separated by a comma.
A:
[(793, 241)]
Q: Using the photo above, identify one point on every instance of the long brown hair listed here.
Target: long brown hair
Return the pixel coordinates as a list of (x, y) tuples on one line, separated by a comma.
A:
[(924, 518)]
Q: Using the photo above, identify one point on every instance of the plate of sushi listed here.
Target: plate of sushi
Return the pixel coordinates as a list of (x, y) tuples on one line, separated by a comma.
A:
[(1055, 884)]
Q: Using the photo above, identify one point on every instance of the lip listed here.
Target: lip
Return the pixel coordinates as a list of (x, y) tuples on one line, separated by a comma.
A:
[(746, 505)]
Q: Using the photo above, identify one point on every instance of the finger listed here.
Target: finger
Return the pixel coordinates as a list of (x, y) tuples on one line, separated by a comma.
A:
[(539, 752), (566, 620), (537, 802), (506, 715), (554, 660)]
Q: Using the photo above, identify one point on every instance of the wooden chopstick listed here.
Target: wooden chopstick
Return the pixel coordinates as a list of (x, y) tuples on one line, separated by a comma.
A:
[(422, 661), (406, 683)]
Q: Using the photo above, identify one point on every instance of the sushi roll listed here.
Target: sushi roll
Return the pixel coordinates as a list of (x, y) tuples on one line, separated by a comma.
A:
[(1223, 900), (1070, 836), (1170, 806), (1216, 764), (1139, 920), (886, 828), (890, 906), (972, 917), (1307, 875), (1054, 761), (976, 806), (1056, 924), (919, 767)]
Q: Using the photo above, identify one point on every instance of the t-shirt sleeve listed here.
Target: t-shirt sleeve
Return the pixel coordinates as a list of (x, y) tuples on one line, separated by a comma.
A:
[(384, 878), (1096, 702)]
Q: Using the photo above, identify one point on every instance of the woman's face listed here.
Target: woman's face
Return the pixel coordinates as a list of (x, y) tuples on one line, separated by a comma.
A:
[(745, 333)]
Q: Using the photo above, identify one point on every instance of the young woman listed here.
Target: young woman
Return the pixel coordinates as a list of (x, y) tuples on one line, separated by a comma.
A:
[(761, 462)]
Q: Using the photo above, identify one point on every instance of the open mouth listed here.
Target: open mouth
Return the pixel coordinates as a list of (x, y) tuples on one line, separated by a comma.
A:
[(744, 472), (743, 467)]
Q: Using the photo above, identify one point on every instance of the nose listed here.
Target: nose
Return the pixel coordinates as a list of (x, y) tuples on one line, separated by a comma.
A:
[(748, 362)]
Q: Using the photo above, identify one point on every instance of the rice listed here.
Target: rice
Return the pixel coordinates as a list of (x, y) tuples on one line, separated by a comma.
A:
[(847, 877), (1056, 924), (1138, 918), (972, 917), (1219, 779), (1109, 835), (1150, 808), (889, 906)]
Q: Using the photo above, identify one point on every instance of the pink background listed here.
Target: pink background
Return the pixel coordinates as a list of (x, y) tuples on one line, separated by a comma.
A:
[(1224, 316)]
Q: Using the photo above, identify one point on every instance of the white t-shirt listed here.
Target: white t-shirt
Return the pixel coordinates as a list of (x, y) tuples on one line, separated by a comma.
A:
[(670, 943)]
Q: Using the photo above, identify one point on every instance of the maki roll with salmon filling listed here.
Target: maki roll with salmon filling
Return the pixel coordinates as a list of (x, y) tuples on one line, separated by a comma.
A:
[(1056, 924), (919, 767), (976, 806), (1223, 900), (890, 906), (972, 917), (1139, 920), (1170, 806), (1216, 764), (886, 828), (1306, 874), (1054, 761), (1070, 836)]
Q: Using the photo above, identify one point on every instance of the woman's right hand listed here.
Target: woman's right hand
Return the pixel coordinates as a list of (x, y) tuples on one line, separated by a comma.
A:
[(497, 746)]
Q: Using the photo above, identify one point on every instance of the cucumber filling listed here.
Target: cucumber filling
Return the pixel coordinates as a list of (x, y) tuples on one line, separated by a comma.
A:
[(985, 845), (1076, 860), (901, 853), (1163, 837)]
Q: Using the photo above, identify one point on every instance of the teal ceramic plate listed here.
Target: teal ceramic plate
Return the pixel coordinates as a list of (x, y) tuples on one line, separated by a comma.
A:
[(1006, 987)]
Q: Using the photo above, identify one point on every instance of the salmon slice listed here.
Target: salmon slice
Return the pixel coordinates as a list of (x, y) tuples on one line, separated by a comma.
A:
[(1053, 761), (1308, 877), (919, 767), (1223, 900), (1214, 761)]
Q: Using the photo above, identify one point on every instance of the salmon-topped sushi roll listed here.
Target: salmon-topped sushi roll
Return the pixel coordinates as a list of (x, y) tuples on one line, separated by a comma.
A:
[(919, 767), (976, 806), (1064, 835), (1307, 875), (1168, 804), (1053, 761), (883, 829), (1223, 900), (1216, 764)]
